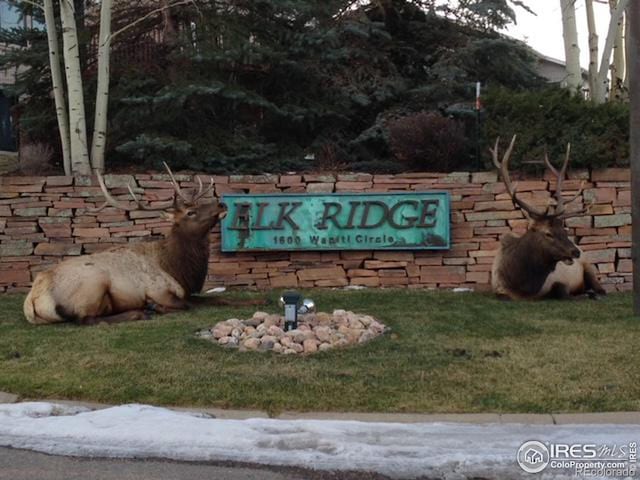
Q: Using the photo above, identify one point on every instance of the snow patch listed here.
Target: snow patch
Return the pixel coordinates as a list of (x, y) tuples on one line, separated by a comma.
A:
[(445, 450), (216, 290)]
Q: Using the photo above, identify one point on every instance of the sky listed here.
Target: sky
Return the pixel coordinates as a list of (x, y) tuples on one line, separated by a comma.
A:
[(543, 32)]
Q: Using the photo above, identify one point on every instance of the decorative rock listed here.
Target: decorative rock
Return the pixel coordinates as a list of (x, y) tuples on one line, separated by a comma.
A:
[(251, 344), (296, 335), (324, 318), (228, 341), (376, 327), (275, 331), (221, 330), (310, 345), (366, 320), (236, 332), (261, 329), (355, 323), (257, 319), (272, 320), (235, 323), (296, 347), (316, 332), (323, 333), (267, 342), (253, 322)]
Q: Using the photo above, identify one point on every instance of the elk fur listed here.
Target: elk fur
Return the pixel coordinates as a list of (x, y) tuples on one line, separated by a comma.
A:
[(544, 261), (120, 283)]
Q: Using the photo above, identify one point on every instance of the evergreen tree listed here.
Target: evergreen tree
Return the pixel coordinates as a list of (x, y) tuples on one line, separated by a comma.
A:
[(281, 84)]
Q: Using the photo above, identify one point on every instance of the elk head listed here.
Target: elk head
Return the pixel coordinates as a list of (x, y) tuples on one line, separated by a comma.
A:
[(546, 226), (189, 219)]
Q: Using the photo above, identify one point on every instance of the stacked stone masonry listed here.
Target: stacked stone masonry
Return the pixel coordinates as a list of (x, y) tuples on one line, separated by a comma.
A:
[(45, 219)]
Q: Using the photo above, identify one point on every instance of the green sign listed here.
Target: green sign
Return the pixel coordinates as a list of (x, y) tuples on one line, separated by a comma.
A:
[(338, 221)]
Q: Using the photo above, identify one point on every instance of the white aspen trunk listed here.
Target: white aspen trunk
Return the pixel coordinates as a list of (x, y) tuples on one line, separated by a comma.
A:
[(593, 49), (57, 85), (618, 66), (603, 72), (99, 141), (80, 164), (627, 51), (571, 48)]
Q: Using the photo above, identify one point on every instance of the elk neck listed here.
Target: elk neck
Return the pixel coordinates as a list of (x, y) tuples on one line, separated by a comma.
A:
[(525, 264), (186, 258)]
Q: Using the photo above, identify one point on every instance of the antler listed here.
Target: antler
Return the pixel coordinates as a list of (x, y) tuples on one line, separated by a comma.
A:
[(559, 211), (110, 201), (503, 168), (196, 196), (138, 205)]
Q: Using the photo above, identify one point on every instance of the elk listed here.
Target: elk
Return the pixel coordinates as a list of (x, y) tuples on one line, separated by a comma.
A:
[(126, 282), (543, 262)]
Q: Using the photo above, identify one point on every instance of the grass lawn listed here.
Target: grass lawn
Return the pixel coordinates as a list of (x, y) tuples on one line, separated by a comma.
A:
[(447, 353)]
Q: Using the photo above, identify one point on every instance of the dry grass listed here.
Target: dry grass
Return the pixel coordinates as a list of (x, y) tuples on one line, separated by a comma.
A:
[(447, 353)]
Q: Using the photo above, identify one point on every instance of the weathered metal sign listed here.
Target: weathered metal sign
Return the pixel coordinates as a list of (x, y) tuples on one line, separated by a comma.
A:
[(338, 221)]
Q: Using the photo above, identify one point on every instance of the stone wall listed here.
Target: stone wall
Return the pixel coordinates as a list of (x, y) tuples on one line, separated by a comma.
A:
[(44, 219)]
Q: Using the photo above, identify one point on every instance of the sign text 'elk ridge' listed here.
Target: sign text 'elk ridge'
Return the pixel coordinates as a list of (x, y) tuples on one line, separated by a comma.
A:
[(339, 221)]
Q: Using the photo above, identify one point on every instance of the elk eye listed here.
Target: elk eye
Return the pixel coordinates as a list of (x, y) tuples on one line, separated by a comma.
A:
[(191, 213)]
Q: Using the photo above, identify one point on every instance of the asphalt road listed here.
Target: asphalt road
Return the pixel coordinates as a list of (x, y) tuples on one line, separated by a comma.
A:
[(27, 465)]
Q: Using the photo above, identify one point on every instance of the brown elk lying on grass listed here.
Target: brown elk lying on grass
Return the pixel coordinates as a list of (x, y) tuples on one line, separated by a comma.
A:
[(543, 262), (124, 283)]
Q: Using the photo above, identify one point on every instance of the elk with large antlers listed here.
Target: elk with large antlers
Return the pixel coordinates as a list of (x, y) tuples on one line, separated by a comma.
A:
[(543, 262), (123, 283)]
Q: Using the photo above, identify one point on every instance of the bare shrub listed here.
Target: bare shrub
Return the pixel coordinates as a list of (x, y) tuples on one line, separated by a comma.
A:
[(331, 158), (428, 141), (35, 159)]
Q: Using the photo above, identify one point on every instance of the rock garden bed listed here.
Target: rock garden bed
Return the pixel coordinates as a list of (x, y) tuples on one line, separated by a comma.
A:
[(316, 332)]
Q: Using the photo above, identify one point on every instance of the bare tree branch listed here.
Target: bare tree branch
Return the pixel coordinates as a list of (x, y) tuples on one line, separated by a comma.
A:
[(33, 4), (151, 13)]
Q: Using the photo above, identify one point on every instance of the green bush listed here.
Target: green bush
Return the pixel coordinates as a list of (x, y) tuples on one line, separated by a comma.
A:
[(549, 119)]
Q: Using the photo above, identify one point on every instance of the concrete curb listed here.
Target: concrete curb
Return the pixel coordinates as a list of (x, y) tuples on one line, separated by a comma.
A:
[(8, 397), (600, 418)]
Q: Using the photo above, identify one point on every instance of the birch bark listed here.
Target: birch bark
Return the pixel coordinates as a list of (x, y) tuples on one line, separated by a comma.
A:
[(77, 119), (602, 78), (58, 85), (99, 141), (571, 47)]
